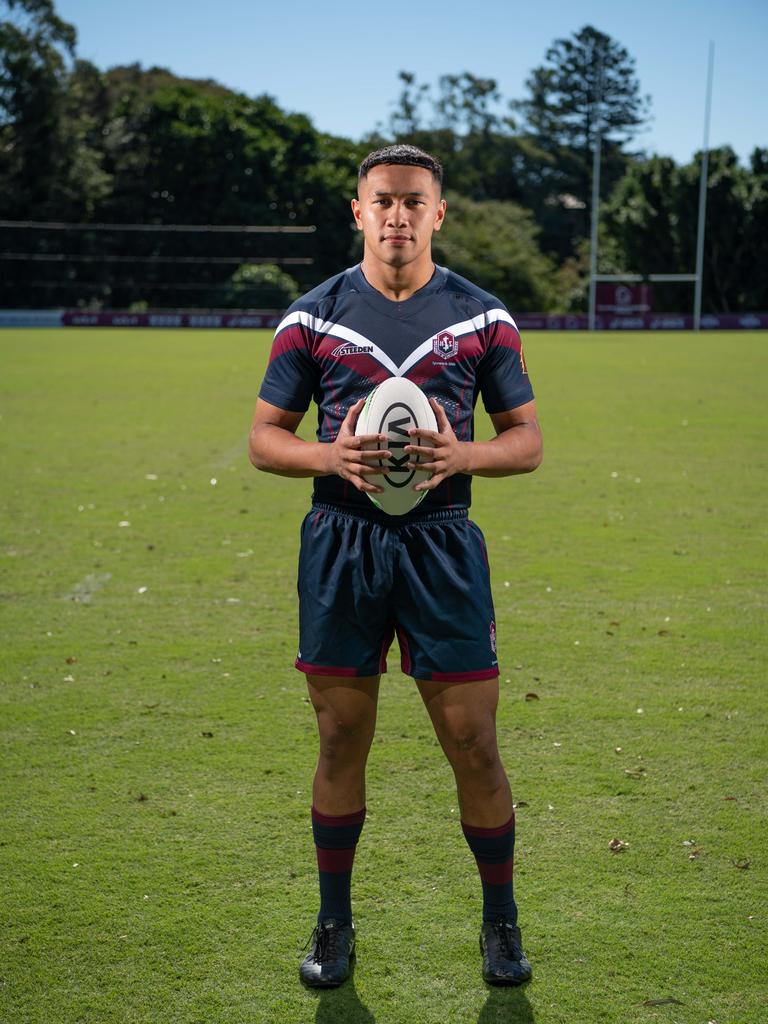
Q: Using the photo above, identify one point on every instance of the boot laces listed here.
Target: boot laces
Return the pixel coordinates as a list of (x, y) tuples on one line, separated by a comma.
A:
[(507, 935), (325, 940)]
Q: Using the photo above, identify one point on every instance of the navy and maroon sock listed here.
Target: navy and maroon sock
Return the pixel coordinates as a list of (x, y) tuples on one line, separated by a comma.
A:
[(494, 852), (335, 841)]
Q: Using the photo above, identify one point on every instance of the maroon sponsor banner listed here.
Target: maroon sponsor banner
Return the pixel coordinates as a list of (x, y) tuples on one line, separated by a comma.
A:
[(644, 322), (117, 318), (551, 322), (623, 299), (525, 321)]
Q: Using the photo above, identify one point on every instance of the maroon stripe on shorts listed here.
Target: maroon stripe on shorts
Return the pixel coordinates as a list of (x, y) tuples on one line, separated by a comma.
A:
[(324, 670), (463, 677)]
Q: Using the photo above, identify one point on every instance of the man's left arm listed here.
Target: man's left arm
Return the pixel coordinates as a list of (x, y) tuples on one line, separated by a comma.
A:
[(516, 448)]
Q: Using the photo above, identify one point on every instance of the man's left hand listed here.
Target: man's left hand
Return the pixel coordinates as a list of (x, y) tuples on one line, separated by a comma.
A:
[(447, 457)]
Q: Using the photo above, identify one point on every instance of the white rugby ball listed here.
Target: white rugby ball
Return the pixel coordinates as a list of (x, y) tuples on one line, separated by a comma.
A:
[(392, 408)]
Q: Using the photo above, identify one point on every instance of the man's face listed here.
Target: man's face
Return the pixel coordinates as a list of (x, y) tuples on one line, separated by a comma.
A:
[(397, 210)]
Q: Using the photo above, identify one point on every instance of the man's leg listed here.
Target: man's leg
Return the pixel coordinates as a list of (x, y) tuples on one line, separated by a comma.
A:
[(346, 718), (464, 718)]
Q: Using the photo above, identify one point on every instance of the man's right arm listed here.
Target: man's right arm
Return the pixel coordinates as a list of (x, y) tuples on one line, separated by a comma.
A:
[(274, 447)]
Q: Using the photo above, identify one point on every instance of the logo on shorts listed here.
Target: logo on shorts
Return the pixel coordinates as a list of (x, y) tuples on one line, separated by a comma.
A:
[(493, 636), (350, 349), (445, 345)]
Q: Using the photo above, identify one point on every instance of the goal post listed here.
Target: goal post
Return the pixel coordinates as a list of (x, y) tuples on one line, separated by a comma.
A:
[(637, 279)]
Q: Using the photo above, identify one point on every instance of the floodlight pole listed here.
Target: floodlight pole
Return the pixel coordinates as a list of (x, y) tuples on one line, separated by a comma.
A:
[(595, 199), (703, 197)]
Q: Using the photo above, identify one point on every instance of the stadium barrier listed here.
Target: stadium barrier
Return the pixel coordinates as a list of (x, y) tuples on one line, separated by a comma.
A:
[(271, 318)]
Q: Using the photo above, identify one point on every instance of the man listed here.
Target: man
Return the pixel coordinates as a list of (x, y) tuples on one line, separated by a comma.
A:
[(363, 574)]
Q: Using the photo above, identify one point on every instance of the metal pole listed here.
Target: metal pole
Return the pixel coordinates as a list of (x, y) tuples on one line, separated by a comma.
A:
[(703, 197), (595, 199)]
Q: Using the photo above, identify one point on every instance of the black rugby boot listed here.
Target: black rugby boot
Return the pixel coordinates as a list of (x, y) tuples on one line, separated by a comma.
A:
[(333, 947), (504, 962)]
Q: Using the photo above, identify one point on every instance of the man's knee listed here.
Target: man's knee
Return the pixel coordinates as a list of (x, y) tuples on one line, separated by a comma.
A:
[(469, 745), (343, 742)]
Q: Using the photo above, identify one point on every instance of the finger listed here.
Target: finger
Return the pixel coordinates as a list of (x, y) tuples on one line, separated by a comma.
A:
[(363, 485), (350, 420), (427, 435), (442, 418), (424, 450), (375, 453), (429, 485), (357, 440)]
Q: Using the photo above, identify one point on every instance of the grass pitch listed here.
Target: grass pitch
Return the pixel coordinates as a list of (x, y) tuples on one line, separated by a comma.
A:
[(155, 845)]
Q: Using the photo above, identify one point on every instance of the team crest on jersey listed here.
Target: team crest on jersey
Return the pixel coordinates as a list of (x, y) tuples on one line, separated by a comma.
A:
[(350, 349), (445, 345)]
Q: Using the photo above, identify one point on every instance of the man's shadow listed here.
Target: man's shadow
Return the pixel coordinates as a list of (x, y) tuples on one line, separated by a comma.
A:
[(506, 1006), (342, 1005), (337, 1005)]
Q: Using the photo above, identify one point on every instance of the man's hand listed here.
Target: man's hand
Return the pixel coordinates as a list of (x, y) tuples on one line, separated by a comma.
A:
[(347, 459), (448, 456), (515, 449)]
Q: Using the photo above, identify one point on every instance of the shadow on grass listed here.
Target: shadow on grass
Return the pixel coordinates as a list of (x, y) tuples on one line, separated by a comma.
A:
[(506, 1006), (342, 1006)]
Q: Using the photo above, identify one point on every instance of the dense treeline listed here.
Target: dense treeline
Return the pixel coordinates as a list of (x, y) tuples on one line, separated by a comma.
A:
[(131, 146)]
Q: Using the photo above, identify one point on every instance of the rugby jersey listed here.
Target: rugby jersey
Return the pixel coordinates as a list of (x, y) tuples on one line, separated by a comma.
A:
[(340, 340)]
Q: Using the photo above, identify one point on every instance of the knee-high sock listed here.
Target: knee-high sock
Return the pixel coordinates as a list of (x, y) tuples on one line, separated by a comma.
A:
[(494, 852), (335, 842)]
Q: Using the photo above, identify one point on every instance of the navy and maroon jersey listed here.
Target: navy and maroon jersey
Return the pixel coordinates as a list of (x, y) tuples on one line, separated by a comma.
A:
[(337, 342)]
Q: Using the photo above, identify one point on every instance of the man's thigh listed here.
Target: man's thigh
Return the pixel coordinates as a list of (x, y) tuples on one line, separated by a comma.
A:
[(345, 625), (444, 606), (461, 712), (345, 706)]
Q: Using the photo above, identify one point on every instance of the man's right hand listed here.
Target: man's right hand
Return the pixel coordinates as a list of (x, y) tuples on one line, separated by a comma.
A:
[(356, 457)]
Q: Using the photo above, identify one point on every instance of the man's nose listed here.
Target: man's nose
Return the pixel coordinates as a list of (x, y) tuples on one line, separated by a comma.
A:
[(397, 214)]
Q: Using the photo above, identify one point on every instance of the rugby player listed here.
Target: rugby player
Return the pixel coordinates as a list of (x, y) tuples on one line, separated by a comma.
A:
[(365, 575)]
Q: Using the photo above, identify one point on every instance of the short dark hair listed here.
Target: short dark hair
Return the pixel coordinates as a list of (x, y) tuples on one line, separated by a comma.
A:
[(401, 153)]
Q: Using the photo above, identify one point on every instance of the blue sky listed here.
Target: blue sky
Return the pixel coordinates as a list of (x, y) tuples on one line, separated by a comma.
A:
[(338, 61)]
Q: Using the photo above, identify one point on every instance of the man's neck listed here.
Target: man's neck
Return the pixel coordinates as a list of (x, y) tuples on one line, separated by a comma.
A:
[(397, 283)]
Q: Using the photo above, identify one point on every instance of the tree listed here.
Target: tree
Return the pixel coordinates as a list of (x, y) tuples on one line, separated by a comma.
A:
[(587, 85), (494, 244), (650, 222), (460, 122), (35, 47), (259, 286)]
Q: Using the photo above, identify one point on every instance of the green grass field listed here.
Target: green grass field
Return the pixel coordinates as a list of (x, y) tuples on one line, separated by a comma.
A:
[(157, 745)]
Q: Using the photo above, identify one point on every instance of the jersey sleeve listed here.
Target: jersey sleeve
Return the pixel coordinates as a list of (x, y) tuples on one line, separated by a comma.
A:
[(502, 374), (291, 375)]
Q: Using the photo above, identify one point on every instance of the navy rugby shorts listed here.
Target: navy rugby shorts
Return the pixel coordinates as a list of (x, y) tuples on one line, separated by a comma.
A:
[(362, 580)]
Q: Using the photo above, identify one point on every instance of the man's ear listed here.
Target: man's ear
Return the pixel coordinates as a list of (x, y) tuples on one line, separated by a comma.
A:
[(356, 214), (440, 215)]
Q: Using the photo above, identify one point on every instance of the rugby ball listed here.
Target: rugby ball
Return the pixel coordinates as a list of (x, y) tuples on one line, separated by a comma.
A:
[(392, 408)]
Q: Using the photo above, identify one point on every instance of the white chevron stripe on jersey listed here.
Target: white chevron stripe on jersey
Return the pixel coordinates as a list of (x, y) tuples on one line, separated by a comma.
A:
[(422, 350), (457, 330), (343, 333)]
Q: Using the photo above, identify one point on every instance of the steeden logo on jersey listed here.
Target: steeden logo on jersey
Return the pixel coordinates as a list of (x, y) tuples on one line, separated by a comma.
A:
[(350, 349), (445, 345)]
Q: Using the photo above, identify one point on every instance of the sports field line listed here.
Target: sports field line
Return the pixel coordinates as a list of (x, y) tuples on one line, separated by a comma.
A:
[(236, 453), (83, 591)]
